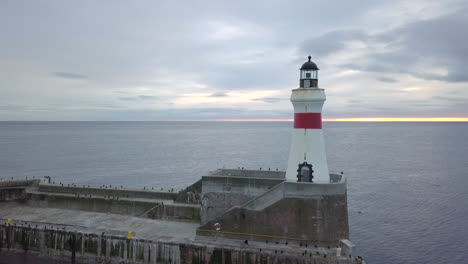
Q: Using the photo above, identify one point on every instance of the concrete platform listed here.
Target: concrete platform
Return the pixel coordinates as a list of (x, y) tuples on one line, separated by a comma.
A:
[(142, 200), (72, 220), (133, 206)]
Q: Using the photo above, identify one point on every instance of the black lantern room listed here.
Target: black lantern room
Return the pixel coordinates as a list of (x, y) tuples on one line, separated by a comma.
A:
[(309, 75)]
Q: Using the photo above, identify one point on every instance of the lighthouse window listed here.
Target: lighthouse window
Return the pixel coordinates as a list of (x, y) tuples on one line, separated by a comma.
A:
[(308, 74)]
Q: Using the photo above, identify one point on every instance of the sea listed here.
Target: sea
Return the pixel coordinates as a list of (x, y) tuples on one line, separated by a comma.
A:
[(407, 182)]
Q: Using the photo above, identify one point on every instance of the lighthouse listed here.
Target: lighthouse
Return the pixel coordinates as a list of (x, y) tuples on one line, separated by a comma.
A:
[(307, 157)]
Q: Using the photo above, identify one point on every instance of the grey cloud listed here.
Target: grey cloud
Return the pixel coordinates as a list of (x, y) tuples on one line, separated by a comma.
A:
[(14, 107), (208, 113), (330, 42), (450, 99), (386, 79), (167, 47), (69, 75), (139, 98), (128, 98), (270, 99), (245, 76), (147, 97), (219, 94), (416, 48)]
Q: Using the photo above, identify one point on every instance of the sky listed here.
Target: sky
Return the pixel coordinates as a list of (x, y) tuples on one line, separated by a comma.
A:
[(230, 60)]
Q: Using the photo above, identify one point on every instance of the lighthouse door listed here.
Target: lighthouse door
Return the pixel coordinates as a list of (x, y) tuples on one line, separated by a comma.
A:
[(305, 172)]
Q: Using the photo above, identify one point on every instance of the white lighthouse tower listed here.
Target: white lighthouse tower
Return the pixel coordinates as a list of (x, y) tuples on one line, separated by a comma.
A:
[(307, 157)]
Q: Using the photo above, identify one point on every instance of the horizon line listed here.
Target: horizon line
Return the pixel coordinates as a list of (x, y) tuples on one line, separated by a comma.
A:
[(357, 119), (352, 119)]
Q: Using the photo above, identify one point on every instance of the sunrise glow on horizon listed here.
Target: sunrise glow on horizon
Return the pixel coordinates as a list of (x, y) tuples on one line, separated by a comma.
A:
[(359, 119)]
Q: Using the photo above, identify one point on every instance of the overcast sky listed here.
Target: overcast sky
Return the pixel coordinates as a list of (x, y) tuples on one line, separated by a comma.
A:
[(204, 60)]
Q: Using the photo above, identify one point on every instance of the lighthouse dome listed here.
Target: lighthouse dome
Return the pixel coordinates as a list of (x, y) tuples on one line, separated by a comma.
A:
[(309, 65)]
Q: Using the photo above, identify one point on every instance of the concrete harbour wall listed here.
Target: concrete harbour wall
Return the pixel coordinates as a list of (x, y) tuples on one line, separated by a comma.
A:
[(77, 247), (248, 217)]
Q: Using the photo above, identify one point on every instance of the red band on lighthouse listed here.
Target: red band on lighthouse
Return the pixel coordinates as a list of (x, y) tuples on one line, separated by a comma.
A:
[(308, 120)]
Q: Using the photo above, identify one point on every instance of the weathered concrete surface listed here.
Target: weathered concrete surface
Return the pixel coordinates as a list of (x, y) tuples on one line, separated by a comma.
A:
[(252, 202), (322, 220), (243, 185), (21, 182), (225, 189), (15, 189), (295, 190), (156, 209), (191, 194), (348, 247), (60, 234), (99, 222), (326, 204), (116, 191), (12, 193), (142, 203), (216, 204), (290, 211), (250, 173), (80, 247)]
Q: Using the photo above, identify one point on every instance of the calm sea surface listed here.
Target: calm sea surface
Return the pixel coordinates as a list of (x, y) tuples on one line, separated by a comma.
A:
[(407, 182)]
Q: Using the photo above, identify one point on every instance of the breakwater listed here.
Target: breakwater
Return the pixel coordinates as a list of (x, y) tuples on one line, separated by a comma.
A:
[(111, 224), (59, 244)]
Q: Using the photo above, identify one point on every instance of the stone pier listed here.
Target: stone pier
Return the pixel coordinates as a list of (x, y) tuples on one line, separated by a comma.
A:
[(229, 216)]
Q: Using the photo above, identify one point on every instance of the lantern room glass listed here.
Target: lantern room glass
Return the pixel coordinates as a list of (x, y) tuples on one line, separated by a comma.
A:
[(309, 74)]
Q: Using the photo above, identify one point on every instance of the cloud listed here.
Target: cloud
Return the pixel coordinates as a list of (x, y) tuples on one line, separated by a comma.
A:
[(270, 99), (200, 113), (331, 42), (386, 79), (69, 75), (431, 49), (219, 94), (450, 99), (377, 51), (147, 97), (139, 98)]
